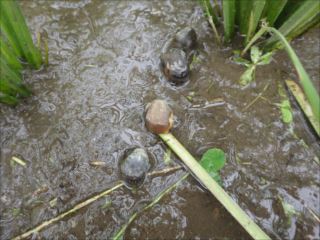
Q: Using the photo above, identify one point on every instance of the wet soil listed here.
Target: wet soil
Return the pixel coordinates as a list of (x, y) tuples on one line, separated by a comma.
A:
[(88, 106)]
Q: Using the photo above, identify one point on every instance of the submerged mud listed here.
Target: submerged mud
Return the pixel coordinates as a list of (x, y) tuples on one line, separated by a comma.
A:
[(88, 106)]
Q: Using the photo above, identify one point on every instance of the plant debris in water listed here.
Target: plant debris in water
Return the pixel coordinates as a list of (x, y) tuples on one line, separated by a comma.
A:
[(257, 59)]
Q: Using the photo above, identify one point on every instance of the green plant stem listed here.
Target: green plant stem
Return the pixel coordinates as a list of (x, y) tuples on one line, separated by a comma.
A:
[(254, 39), (210, 19), (234, 209)]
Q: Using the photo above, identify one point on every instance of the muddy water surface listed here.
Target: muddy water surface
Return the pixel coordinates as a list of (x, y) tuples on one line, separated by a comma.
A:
[(88, 106)]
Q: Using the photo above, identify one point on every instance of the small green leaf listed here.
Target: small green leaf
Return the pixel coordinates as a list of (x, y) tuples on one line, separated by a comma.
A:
[(255, 54), (241, 61), (247, 76), (265, 59), (286, 111), (212, 161)]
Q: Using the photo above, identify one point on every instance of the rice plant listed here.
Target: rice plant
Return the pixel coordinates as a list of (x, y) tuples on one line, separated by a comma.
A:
[(290, 17), (282, 20), (17, 50)]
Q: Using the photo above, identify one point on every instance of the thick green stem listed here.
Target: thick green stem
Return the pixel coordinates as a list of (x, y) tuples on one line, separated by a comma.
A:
[(234, 209)]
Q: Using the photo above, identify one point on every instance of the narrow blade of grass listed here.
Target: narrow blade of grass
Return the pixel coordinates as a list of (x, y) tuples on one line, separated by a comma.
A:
[(17, 32), (209, 11), (287, 11), (7, 99), (300, 18), (304, 27), (210, 15), (19, 161), (243, 15), (9, 88), (8, 54), (273, 10), (255, 14), (303, 103), (229, 11), (10, 81), (7, 29), (307, 85)]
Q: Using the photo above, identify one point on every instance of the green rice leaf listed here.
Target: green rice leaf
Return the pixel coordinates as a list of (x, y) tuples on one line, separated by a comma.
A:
[(8, 54), (229, 11), (287, 11), (7, 28), (304, 14), (7, 99), (304, 26), (254, 18), (273, 10), (15, 29), (242, 14)]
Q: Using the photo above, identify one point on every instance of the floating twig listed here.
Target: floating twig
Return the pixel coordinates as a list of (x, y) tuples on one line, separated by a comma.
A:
[(19, 161), (120, 233), (64, 214), (165, 171), (256, 98), (314, 215), (97, 163)]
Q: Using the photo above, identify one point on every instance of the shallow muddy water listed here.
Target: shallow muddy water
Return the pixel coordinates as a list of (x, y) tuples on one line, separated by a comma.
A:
[(88, 106)]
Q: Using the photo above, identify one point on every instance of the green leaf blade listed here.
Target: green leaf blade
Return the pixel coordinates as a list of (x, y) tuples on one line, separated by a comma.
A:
[(274, 9), (229, 12), (254, 18)]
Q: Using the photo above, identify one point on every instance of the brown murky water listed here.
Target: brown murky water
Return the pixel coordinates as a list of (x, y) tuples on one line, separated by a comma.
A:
[(88, 106)]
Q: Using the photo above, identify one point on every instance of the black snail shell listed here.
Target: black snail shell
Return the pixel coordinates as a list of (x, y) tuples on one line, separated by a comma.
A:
[(175, 65), (134, 167), (176, 54)]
